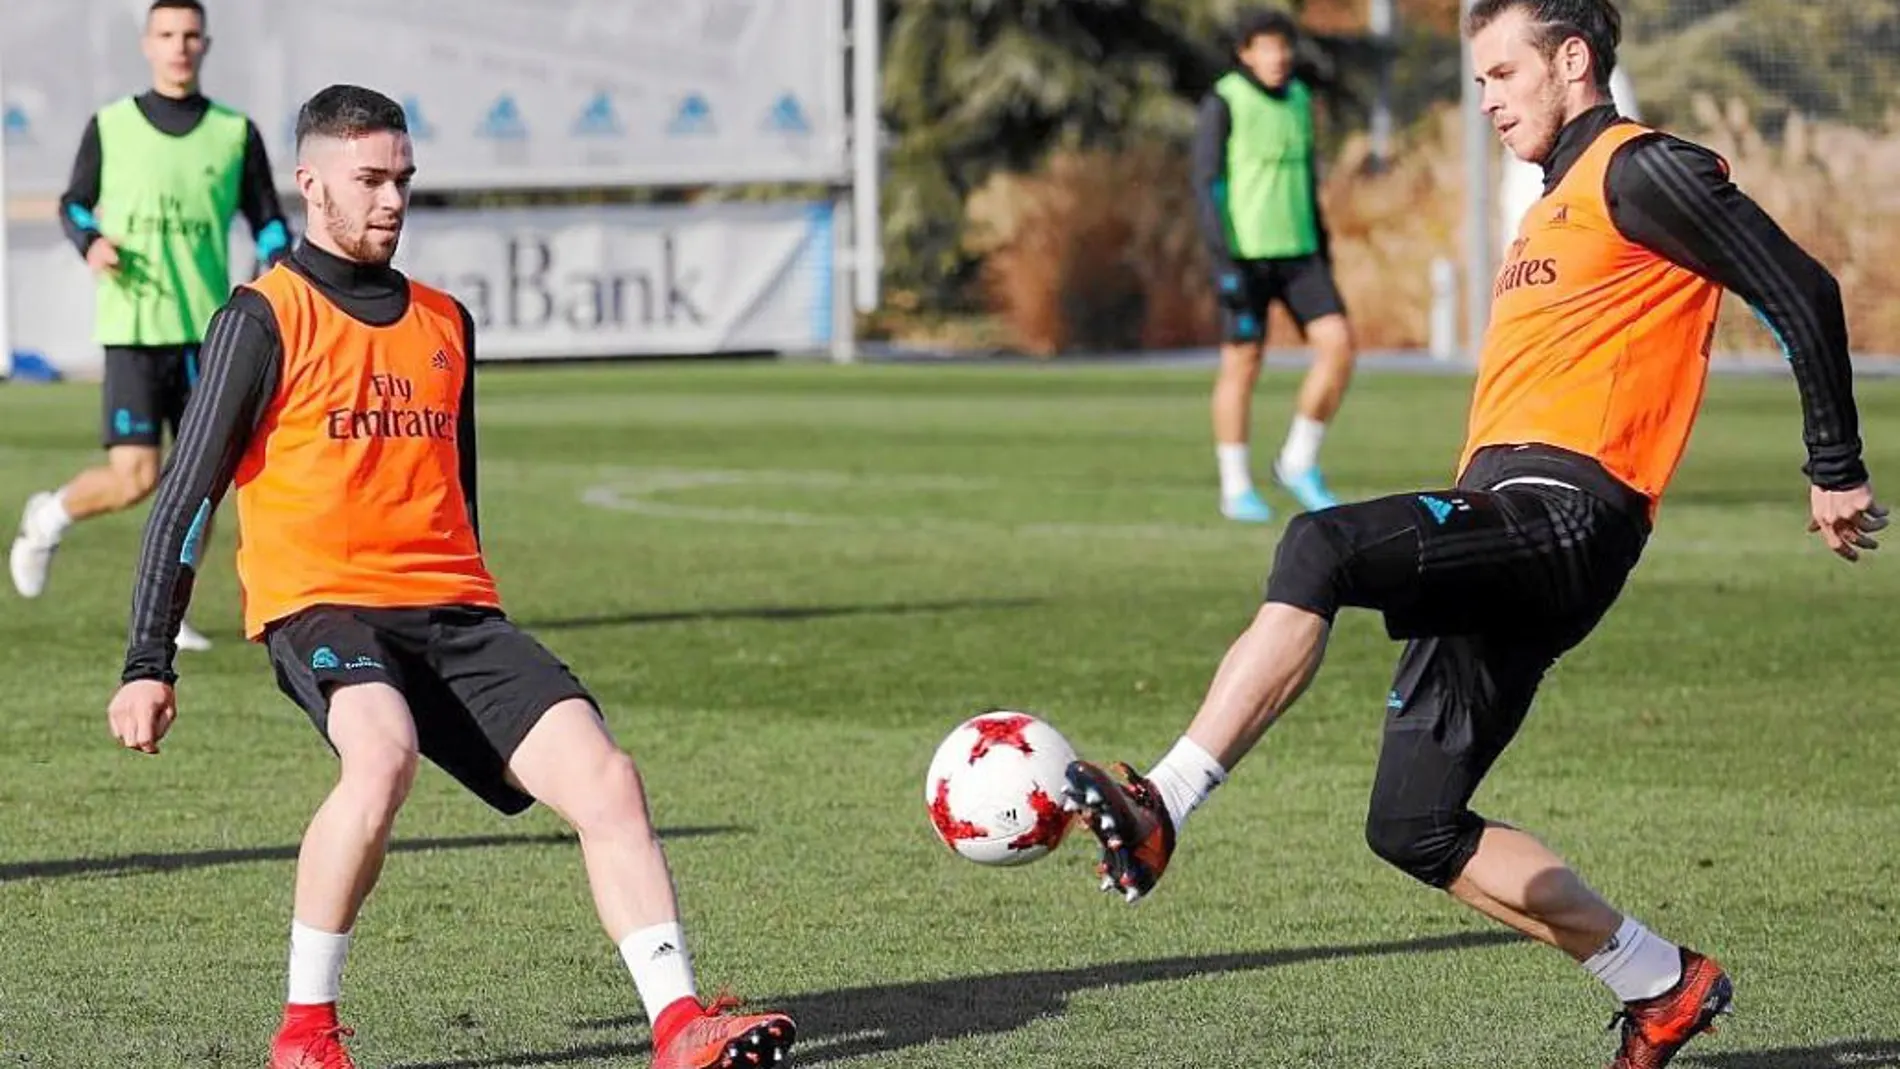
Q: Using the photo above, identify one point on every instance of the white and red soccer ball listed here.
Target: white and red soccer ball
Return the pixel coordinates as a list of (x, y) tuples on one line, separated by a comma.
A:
[(994, 789)]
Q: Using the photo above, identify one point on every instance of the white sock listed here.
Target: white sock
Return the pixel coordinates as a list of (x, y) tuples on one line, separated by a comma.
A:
[(1636, 963), (1235, 475), (51, 519), (1185, 777), (662, 967), (316, 964), (1301, 450)]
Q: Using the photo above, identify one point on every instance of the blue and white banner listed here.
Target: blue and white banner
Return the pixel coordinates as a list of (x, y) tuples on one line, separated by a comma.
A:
[(500, 93), (629, 280), (542, 283)]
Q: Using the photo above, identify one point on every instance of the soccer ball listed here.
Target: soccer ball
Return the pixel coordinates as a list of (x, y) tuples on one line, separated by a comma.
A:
[(994, 789)]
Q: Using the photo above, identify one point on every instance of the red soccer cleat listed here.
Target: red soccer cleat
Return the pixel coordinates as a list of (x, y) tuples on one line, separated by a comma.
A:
[(1126, 814), (1656, 1028), (692, 1035), (310, 1038)]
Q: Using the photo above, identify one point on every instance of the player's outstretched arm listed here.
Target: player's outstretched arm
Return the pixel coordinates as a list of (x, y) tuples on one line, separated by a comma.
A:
[(241, 358), (1676, 198)]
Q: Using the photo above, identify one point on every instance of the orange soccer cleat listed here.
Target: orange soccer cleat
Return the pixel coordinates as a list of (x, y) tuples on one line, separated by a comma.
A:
[(1656, 1028)]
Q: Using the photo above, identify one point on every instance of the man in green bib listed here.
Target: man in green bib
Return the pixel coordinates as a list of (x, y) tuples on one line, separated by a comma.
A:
[(157, 181), (1254, 175)]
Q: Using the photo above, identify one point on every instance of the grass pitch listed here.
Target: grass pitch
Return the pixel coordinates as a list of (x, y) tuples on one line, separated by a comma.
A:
[(786, 583)]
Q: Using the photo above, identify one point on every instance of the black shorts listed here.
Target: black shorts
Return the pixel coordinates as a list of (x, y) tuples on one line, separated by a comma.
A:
[(1488, 584), (1303, 283), (475, 683), (146, 388)]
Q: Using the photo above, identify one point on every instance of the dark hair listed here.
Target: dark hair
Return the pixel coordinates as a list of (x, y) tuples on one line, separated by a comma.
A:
[(1265, 22), (349, 111), (175, 5), (1555, 21)]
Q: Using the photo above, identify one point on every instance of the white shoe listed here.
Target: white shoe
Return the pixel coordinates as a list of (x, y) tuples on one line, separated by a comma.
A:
[(190, 639), (32, 555)]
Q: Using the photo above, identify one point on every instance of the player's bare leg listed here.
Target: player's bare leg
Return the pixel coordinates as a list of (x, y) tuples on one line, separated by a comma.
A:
[(1232, 408), (1323, 390), (1321, 393), (1516, 880), (126, 478), (339, 862), (571, 763), (1263, 673), (1670, 993)]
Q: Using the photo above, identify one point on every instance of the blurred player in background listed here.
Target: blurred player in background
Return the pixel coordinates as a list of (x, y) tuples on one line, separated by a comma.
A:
[(157, 181), (340, 396), (1256, 177), (1590, 381)]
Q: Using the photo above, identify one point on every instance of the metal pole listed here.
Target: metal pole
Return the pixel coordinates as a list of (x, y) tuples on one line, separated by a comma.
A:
[(868, 260), (844, 317), (1382, 22), (1478, 207)]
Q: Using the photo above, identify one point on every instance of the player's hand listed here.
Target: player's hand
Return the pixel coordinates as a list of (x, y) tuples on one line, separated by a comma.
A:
[(141, 713), (102, 256), (1847, 519)]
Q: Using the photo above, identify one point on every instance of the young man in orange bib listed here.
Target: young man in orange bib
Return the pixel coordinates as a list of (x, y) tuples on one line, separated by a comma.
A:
[(338, 395), (1591, 376)]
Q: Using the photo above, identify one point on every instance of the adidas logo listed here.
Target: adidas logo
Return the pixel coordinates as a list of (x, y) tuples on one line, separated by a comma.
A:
[(440, 361), (786, 117), (663, 950), (695, 116), (1562, 217), (1442, 509), (420, 128), (15, 125), (598, 119), (503, 121)]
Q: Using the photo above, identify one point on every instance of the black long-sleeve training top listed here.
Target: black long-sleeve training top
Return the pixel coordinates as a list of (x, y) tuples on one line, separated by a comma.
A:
[(242, 360), (1675, 199)]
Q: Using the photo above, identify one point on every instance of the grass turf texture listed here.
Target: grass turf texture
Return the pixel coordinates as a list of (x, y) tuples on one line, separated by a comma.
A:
[(782, 650)]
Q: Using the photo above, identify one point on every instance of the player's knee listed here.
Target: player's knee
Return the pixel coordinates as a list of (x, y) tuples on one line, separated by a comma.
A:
[(614, 800), (133, 482), (135, 485), (134, 489), (1331, 335), (378, 778), (1307, 565), (1240, 359), (1431, 849)]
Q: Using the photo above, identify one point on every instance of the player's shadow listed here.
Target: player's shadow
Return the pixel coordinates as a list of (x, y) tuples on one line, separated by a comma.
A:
[(838, 1025), (146, 864), (779, 613), (1860, 1054)]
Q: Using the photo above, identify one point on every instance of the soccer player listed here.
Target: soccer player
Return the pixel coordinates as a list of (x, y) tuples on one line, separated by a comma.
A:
[(158, 178), (1256, 181), (1592, 374), (339, 395)]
